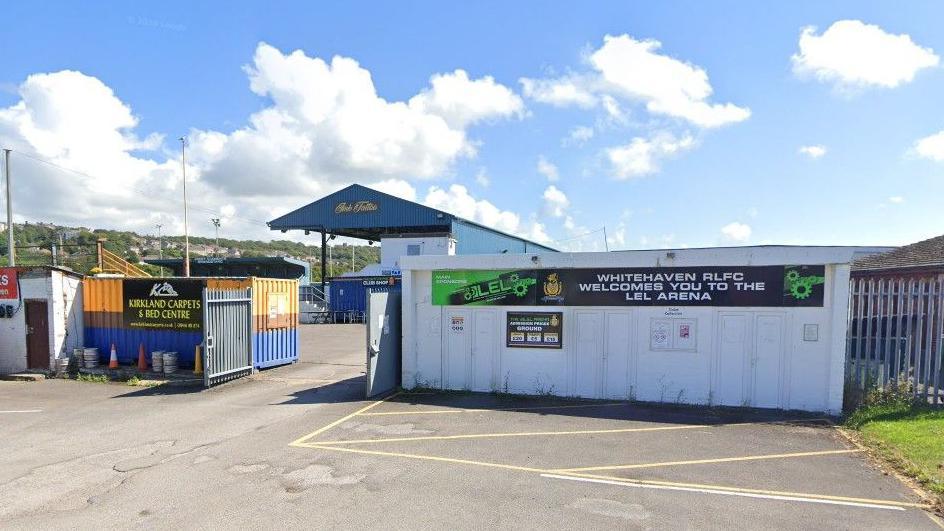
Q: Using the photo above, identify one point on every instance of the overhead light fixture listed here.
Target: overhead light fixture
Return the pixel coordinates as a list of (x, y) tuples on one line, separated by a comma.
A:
[(306, 233), (284, 231), (370, 242)]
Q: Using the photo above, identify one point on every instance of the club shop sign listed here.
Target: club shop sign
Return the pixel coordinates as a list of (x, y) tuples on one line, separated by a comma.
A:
[(356, 207), (764, 286), (171, 304)]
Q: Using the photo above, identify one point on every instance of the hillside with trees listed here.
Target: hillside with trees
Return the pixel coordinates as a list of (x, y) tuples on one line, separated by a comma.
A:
[(75, 247)]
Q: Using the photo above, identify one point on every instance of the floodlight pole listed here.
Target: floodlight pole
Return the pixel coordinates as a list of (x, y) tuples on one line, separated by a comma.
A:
[(11, 253)]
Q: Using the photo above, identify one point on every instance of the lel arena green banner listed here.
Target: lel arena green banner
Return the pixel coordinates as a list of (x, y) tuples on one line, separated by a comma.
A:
[(735, 286)]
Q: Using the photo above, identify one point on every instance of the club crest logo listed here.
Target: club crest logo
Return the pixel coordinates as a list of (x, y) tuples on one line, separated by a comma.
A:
[(553, 288)]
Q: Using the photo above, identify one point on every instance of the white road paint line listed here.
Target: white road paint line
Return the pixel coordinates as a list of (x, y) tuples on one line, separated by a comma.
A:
[(23, 411), (727, 493)]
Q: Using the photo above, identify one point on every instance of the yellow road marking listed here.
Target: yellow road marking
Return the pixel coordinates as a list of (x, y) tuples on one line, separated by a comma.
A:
[(323, 429), (425, 458), (805, 495), (706, 461), (485, 410), (513, 434), (751, 491), (935, 519)]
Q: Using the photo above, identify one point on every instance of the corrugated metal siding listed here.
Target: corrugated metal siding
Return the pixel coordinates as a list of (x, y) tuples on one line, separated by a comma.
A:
[(103, 306), (472, 239), (392, 212), (273, 345)]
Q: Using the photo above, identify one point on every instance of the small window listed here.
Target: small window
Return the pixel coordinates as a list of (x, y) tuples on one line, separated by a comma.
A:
[(413, 250)]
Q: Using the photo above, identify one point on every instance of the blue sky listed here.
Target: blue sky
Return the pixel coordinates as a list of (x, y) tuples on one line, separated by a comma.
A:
[(181, 69)]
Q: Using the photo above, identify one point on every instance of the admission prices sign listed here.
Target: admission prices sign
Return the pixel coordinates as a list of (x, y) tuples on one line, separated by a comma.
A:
[(166, 304), (766, 286), (534, 329), (8, 284)]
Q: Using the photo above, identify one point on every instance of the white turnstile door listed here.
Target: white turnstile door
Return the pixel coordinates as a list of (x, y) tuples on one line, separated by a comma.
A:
[(457, 328), (617, 354), (732, 352), (484, 338), (589, 354), (767, 360)]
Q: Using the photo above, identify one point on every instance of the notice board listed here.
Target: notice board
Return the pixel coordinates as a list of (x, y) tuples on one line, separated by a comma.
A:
[(534, 329)]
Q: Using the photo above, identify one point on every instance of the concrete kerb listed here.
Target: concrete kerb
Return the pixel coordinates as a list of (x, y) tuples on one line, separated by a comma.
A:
[(575, 474)]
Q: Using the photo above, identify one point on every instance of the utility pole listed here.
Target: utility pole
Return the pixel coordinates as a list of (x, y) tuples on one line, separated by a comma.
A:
[(183, 171), (606, 243), (160, 241), (352, 258), (10, 249), (216, 225)]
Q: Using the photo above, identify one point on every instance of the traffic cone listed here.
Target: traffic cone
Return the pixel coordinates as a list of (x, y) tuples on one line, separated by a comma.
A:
[(142, 361), (197, 361), (113, 361)]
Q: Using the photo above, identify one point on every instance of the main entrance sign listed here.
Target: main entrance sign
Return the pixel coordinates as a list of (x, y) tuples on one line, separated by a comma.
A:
[(765, 286)]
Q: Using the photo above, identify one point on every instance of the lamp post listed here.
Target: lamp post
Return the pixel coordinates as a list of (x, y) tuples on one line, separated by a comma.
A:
[(11, 252), (183, 171)]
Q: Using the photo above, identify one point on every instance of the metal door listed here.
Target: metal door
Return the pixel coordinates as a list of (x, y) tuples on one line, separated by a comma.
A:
[(227, 330), (732, 357), (37, 334), (383, 342), (767, 360), (484, 340), (616, 354), (589, 354), (457, 362)]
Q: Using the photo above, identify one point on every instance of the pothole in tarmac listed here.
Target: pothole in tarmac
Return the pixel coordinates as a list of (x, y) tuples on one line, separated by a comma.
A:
[(316, 475), (247, 468), (384, 429), (611, 508)]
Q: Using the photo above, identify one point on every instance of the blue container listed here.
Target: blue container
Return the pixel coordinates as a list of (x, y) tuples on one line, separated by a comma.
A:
[(128, 340), (349, 294)]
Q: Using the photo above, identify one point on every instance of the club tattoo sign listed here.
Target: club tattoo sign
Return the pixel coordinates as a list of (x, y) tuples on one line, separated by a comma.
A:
[(731, 286)]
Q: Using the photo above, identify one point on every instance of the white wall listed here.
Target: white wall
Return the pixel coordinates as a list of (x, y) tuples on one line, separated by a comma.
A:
[(735, 355), (63, 294), (391, 249)]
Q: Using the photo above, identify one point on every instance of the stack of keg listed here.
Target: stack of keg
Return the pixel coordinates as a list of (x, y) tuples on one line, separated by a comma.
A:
[(157, 361), (90, 357), (170, 362)]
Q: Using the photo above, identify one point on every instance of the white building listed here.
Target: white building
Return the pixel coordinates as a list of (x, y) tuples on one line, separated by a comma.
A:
[(745, 326), (44, 321)]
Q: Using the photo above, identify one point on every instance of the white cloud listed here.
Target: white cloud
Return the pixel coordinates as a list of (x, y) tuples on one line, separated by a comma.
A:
[(397, 188), (852, 54), (457, 200), (323, 127), (896, 199), (547, 169), (635, 71), (482, 179), (462, 101), (578, 136), (555, 202), (736, 232), (666, 85), (813, 152), (643, 155), (561, 92), (931, 147)]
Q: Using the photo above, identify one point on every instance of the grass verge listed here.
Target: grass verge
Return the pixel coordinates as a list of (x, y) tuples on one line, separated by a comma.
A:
[(908, 436)]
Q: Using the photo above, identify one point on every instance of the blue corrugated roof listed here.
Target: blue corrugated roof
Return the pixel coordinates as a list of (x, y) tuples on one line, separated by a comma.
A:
[(361, 212)]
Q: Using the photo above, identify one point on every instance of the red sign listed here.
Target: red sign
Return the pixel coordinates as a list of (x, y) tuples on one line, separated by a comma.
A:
[(8, 283)]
